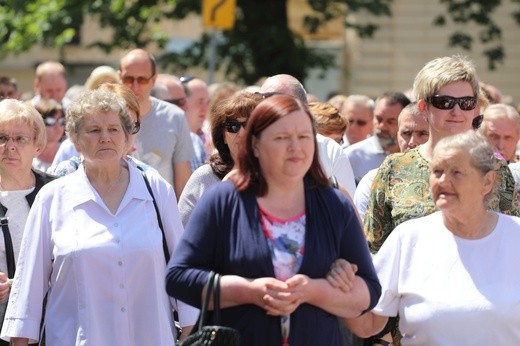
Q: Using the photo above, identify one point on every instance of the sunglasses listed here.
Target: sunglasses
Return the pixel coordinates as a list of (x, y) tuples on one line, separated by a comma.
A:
[(129, 80), (268, 94), (234, 126), (466, 103), (358, 122), (186, 79), (181, 102), (50, 121)]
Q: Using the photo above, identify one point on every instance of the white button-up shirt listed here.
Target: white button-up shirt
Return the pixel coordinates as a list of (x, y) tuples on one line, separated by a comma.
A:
[(105, 271)]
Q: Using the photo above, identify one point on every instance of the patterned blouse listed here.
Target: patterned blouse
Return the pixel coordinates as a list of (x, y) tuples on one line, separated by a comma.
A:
[(401, 191)]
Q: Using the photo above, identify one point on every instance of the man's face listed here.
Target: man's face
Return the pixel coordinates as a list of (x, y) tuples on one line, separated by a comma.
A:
[(385, 122), (503, 135), (360, 124), (7, 91), (413, 130), (52, 86), (197, 104), (136, 74)]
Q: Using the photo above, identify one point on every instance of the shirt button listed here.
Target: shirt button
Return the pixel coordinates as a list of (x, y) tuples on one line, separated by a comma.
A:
[(116, 224), (121, 286), (123, 309), (120, 263)]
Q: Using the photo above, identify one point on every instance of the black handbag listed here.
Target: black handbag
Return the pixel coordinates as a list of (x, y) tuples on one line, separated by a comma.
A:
[(211, 335)]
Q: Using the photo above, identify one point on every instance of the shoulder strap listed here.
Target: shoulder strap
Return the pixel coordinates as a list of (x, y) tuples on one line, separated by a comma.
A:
[(159, 220), (9, 252)]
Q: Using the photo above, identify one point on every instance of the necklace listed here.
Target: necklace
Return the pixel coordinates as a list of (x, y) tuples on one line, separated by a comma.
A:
[(107, 187)]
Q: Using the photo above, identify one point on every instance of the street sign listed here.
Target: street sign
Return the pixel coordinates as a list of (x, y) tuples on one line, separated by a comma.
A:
[(219, 14)]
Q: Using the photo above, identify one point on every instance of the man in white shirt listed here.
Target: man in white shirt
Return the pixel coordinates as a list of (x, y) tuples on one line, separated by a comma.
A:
[(370, 153)]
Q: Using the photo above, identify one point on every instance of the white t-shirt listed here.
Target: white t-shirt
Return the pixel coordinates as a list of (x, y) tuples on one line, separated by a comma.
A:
[(362, 194), (449, 290), (335, 163)]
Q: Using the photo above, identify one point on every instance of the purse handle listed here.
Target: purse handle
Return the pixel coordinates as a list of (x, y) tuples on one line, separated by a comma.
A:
[(212, 289)]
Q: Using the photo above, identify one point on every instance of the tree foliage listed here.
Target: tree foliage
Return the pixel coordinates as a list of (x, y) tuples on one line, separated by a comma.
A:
[(478, 12), (261, 42)]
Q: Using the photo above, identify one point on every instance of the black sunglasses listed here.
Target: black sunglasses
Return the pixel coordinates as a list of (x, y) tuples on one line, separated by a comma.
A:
[(234, 126), (51, 121), (466, 103)]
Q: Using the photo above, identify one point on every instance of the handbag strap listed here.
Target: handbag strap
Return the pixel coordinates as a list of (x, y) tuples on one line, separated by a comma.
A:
[(9, 252), (205, 303), (159, 220)]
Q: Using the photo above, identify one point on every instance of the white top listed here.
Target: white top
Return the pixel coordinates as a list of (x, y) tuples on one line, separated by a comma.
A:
[(66, 151), (199, 182), (106, 271), (335, 163), (362, 194), (449, 290), (17, 211), (365, 155)]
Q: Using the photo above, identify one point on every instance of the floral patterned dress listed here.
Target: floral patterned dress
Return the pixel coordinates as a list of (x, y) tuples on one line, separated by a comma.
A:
[(286, 240)]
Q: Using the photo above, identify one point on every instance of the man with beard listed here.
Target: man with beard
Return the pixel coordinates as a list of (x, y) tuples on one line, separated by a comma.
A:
[(370, 153)]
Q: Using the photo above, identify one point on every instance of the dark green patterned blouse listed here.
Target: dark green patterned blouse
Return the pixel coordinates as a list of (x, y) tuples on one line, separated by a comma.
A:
[(401, 191)]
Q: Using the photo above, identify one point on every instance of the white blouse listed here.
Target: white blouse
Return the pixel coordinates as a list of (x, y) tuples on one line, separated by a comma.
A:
[(105, 271)]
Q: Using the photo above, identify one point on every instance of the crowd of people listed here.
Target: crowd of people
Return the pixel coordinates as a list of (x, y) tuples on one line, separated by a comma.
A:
[(388, 219)]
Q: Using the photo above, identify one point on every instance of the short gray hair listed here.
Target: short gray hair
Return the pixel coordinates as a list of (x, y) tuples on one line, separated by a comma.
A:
[(479, 150), (93, 102)]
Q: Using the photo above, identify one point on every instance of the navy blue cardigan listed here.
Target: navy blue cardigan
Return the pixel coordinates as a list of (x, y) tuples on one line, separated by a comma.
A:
[(224, 235)]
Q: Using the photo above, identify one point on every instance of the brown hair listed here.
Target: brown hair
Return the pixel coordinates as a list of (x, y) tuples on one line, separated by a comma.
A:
[(240, 105), (328, 119), (265, 114)]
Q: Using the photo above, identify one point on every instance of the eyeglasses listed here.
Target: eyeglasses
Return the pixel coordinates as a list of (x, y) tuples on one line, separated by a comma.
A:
[(186, 79), (137, 127), (358, 122), (466, 103), (181, 102), (18, 140), (234, 126), (51, 121), (129, 80), (268, 94)]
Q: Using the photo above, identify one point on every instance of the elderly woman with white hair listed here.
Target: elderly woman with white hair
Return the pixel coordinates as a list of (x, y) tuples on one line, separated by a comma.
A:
[(451, 276), (22, 138), (94, 244)]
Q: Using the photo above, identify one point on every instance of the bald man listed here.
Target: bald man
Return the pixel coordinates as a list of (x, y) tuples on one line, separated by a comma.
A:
[(164, 139)]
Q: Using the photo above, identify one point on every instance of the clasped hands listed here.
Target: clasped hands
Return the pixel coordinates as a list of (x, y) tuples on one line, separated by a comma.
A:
[(281, 298)]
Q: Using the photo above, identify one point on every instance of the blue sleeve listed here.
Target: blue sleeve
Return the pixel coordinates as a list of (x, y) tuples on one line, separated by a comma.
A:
[(192, 259)]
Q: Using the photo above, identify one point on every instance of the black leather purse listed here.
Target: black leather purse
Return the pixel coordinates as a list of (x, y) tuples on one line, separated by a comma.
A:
[(214, 334)]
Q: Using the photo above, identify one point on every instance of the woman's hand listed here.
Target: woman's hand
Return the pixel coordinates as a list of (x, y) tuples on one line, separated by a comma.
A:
[(276, 296), (342, 275), (5, 286)]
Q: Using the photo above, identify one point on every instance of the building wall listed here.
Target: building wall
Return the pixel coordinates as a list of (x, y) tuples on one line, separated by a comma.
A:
[(390, 60), (407, 40)]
